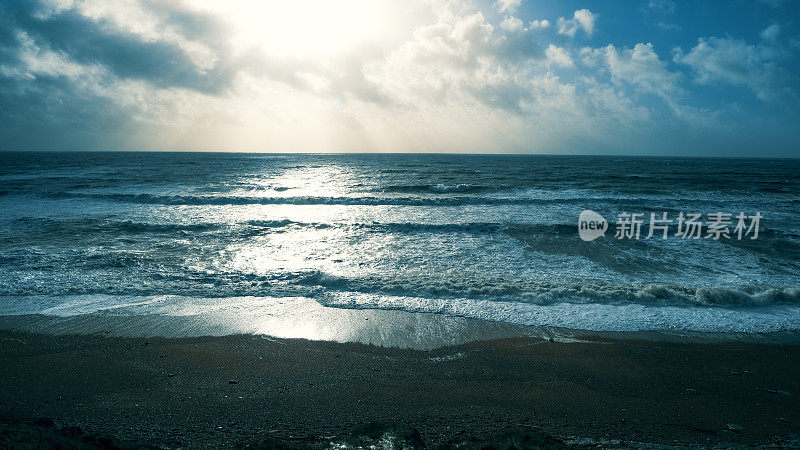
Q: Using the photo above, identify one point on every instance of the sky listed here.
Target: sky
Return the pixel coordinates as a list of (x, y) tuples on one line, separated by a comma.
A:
[(647, 77)]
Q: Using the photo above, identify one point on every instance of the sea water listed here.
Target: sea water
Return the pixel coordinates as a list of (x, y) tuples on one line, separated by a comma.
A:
[(227, 236)]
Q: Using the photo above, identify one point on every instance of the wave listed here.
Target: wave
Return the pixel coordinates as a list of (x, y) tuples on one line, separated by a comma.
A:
[(122, 273), (512, 198), (112, 274), (417, 227), (441, 188), (112, 226), (153, 199), (258, 226), (592, 316), (522, 231), (139, 227), (553, 238), (422, 195), (283, 223), (95, 270), (546, 293), (183, 316)]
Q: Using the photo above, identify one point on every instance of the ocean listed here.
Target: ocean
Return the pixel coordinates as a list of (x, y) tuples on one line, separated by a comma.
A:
[(265, 243)]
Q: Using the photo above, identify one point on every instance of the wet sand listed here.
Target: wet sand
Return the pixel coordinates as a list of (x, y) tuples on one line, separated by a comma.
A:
[(245, 390)]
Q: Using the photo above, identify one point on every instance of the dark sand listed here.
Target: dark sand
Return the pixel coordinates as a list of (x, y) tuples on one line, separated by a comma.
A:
[(244, 390)]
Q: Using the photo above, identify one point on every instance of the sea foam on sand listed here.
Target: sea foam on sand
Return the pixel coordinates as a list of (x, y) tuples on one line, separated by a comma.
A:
[(391, 321)]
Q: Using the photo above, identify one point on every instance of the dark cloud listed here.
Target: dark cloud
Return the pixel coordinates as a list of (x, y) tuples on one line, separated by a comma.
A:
[(48, 109), (48, 113), (124, 54), (192, 25), (43, 106)]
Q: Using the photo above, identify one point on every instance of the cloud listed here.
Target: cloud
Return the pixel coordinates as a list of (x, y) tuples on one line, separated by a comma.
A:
[(639, 67), (94, 75), (470, 75), (512, 23), (732, 61), (558, 56), (454, 76), (465, 59), (661, 6), (160, 58), (539, 24), (668, 26), (507, 6), (771, 32), (582, 19)]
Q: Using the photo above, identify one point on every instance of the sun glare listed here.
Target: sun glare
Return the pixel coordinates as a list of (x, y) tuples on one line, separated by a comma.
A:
[(301, 28)]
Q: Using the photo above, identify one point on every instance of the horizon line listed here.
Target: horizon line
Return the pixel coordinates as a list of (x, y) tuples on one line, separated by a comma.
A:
[(409, 153)]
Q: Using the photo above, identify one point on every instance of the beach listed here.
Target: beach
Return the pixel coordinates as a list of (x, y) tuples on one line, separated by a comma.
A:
[(254, 390), (229, 300)]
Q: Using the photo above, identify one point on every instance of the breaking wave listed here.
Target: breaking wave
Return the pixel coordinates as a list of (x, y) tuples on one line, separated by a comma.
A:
[(544, 293)]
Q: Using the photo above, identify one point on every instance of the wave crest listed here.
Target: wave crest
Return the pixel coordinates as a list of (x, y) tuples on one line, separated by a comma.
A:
[(544, 293)]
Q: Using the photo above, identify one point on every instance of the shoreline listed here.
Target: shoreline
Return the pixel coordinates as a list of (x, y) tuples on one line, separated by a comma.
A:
[(391, 328), (239, 390)]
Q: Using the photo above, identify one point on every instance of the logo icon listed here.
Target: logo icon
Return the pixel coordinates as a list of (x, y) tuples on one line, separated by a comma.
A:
[(591, 225)]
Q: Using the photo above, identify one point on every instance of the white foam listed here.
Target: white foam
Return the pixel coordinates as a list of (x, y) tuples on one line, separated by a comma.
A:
[(283, 317), (593, 316), (287, 316)]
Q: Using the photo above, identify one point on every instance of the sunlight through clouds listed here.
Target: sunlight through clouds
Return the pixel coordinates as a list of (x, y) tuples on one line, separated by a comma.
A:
[(302, 27), (363, 75)]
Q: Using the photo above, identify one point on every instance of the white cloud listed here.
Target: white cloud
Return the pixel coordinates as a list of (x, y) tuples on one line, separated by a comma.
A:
[(449, 78), (734, 62), (639, 67), (512, 23), (449, 61), (583, 19), (668, 26), (508, 6), (539, 24), (661, 6), (558, 56), (771, 32), (40, 61)]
